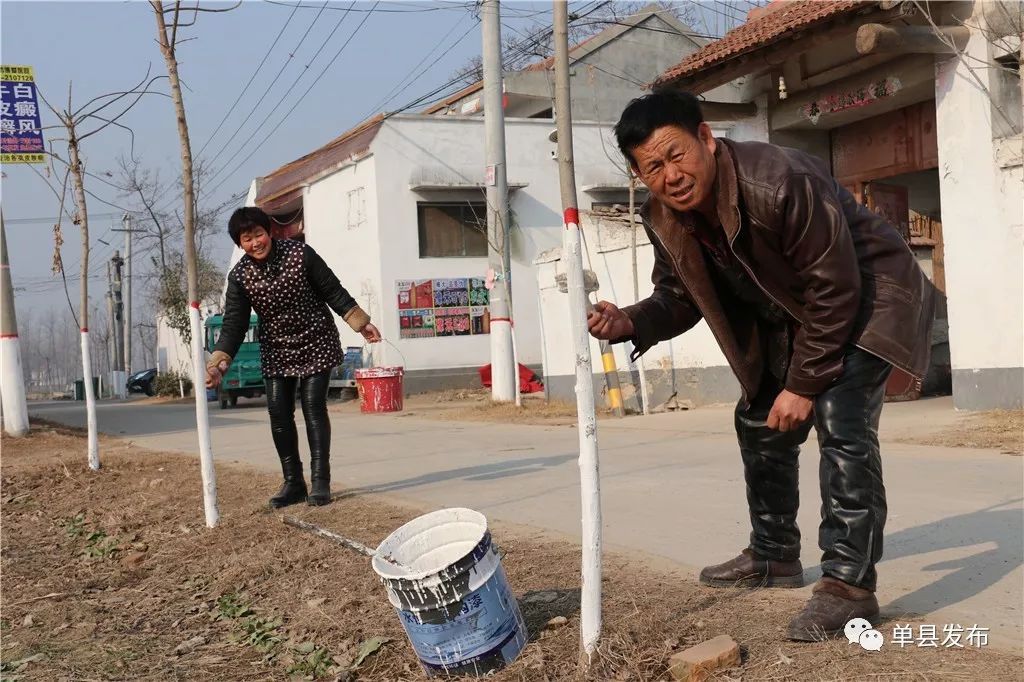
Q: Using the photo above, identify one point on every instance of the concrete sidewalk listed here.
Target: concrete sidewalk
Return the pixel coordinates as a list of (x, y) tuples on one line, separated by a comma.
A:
[(672, 487)]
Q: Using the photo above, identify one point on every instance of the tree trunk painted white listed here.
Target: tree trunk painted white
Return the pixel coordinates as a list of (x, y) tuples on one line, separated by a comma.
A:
[(167, 48), (12, 385), (83, 311), (590, 479), (203, 418), (90, 403), (12, 380)]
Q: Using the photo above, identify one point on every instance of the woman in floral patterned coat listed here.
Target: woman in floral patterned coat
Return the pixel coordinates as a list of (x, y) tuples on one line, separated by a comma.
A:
[(293, 291)]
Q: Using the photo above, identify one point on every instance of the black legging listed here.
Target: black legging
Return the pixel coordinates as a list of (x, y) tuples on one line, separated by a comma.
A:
[(281, 405)]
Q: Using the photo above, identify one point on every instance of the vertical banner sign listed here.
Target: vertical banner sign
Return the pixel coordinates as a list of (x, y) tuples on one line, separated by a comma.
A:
[(21, 140), (428, 308)]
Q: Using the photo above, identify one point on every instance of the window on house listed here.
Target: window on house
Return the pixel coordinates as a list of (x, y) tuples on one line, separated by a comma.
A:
[(453, 230)]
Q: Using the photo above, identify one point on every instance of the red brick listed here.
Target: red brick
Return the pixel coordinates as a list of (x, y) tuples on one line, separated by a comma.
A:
[(698, 663)]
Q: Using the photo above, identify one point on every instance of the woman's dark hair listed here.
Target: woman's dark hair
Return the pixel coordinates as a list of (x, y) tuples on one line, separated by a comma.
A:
[(646, 114), (245, 219)]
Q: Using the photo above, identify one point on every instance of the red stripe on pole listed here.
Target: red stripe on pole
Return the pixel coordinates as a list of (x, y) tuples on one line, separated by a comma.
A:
[(194, 304), (572, 216), (8, 336), (502, 319), (85, 330)]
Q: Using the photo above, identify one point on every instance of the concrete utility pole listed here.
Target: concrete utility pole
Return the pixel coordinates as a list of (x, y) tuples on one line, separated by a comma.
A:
[(118, 376), (126, 220), (12, 381), (504, 373), (590, 480)]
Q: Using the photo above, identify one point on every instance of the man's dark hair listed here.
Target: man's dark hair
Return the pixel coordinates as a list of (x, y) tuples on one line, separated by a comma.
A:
[(646, 114), (245, 219)]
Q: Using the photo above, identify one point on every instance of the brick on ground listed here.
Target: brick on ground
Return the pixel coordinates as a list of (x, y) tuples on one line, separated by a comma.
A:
[(700, 662)]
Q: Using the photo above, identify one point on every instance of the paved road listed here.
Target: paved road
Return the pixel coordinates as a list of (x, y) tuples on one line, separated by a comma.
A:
[(672, 487)]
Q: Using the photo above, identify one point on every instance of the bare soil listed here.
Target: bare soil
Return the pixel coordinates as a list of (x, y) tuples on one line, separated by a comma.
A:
[(475, 405), (112, 575), (996, 430)]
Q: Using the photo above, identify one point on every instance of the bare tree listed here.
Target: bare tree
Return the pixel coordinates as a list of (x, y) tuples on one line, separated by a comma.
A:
[(79, 124), (522, 47), (168, 22)]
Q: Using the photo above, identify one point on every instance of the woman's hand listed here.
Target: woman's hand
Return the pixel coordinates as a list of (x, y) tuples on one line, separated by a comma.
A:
[(370, 333), (213, 377)]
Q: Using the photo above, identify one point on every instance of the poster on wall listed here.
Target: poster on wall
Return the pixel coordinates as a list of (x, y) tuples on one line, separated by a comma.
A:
[(428, 308)]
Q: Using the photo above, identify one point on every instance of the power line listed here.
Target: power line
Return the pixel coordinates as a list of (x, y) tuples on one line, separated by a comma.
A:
[(413, 75), (418, 9), (245, 88), (284, 97), (337, 54), (21, 221), (291, 55)]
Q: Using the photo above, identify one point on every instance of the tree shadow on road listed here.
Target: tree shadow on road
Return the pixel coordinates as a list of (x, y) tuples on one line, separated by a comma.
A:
[(480, 472), (1001, 525)]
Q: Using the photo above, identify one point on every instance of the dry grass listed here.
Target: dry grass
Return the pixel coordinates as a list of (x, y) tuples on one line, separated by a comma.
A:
[(996, 430), (118, 605)]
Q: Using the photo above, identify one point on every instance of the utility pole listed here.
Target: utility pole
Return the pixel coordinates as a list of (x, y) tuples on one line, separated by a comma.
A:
[(111, 327), (126, 220), (117, 375), (12, 381), (590, 480), (504, 374), (644, 403)]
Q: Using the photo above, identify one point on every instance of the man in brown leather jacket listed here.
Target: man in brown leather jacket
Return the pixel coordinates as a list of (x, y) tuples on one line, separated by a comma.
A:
[(813, 299)]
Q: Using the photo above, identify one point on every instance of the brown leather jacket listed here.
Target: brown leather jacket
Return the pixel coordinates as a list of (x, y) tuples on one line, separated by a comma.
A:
[(842, 273)]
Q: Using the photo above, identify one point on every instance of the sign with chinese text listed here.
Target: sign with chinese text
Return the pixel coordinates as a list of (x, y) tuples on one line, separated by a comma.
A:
[(428, 308), (21, 140)]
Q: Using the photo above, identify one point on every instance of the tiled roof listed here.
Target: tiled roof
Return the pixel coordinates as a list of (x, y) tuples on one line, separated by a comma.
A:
[(766, 26), (284, 184)]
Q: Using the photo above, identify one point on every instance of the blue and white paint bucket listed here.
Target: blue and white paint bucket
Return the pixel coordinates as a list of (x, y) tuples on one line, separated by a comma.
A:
[(445, 579)]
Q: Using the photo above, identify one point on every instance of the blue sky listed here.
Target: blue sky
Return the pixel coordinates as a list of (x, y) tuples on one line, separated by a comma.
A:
[(104, 47)]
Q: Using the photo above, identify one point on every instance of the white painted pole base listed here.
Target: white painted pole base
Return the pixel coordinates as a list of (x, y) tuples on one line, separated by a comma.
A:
[(90, 404), (590, 479), (12, 387), (503, 374), (203, 420)]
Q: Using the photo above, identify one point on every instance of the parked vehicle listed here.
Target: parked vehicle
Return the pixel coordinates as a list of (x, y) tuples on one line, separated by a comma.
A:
[(142, 382), (245, 376)]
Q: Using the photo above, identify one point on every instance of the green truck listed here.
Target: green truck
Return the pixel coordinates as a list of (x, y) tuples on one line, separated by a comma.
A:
[(245, 376)]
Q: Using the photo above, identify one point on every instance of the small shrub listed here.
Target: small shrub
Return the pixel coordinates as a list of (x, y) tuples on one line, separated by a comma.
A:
[(166, 384)]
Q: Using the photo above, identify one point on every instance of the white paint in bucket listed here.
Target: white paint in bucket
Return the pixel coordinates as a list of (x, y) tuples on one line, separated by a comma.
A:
[(445, 579)]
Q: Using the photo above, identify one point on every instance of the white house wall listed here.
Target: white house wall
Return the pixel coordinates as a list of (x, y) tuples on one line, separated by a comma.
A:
[(981, 183), (340, 223), (690, 366), (409, 149)]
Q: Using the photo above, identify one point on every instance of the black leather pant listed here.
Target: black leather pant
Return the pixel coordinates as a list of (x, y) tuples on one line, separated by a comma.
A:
[(853, 506), (281, 405)]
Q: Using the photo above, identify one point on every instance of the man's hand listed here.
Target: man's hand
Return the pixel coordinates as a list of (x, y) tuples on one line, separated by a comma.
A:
[(370, 333), (608, 323), (789, 411), (213, 377)]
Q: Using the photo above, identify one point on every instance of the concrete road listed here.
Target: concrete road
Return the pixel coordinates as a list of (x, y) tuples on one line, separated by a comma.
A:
[(672, 487)]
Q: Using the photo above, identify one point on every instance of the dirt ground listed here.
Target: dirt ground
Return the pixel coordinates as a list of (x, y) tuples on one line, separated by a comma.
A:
[(475, 405), (112, 575), (998, 429)]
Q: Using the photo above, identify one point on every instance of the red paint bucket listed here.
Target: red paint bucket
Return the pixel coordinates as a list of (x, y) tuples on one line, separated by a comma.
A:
[(380, 389)]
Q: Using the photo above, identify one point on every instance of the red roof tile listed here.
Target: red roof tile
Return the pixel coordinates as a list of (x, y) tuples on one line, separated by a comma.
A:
[(765, 27), (284, 184)]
